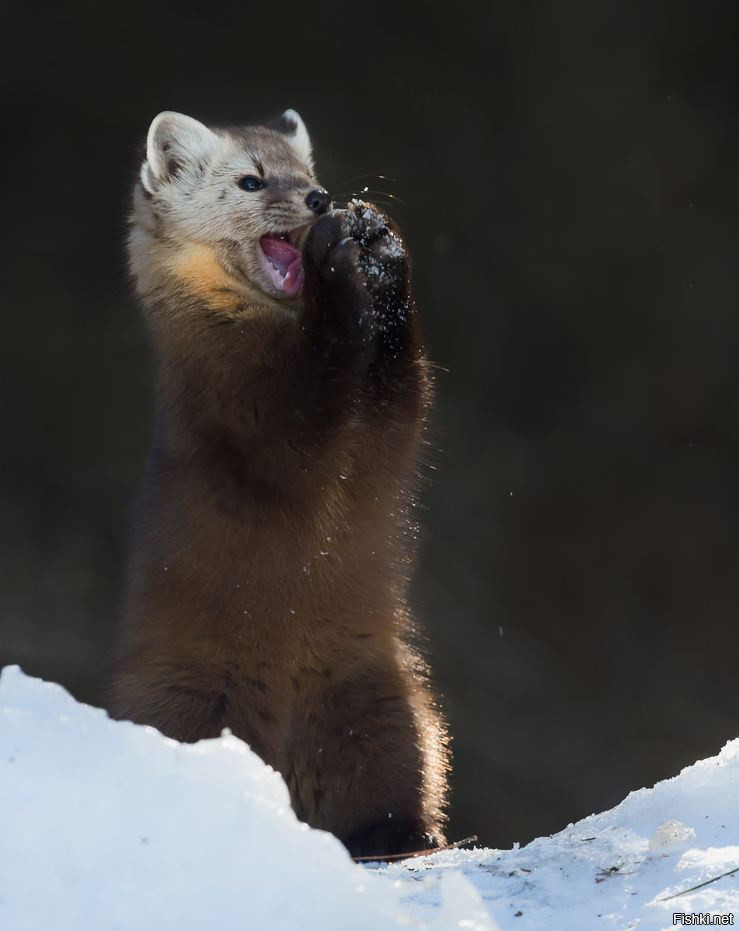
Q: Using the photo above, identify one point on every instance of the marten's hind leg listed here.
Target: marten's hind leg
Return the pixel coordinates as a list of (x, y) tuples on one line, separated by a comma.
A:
[(381, 788)]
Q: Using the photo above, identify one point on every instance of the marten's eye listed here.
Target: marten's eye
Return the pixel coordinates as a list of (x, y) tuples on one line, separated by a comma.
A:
[(251, 183)]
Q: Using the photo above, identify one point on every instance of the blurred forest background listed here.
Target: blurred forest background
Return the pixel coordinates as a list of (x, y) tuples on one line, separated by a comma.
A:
[(567, 176)]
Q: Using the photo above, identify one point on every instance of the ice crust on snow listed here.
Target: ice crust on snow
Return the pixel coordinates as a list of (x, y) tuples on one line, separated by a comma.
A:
[(109, 826), (671, 836)]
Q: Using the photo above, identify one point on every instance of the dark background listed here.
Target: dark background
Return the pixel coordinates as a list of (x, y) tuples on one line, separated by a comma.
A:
[(568, 178)]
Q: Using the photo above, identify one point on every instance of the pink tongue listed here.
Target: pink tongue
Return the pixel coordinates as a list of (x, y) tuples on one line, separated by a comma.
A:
[(287, 270)]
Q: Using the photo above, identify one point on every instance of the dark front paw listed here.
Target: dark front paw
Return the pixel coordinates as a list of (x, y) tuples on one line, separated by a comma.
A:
[(330, 253), (390, 839), (356, 271)]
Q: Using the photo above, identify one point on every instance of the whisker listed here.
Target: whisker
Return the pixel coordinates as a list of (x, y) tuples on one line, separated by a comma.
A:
[(388, 194), (362, 177), (375, 194), (437, 366), (343, 204)]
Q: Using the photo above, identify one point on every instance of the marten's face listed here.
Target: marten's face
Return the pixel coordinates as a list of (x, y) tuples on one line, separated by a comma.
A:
[(250, 195)]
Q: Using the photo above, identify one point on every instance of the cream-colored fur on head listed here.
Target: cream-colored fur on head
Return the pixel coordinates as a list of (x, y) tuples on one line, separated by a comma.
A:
[(189, 195)]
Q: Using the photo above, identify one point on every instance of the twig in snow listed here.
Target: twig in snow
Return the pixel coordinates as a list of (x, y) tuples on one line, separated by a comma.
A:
[(417, 853), (701, 885)]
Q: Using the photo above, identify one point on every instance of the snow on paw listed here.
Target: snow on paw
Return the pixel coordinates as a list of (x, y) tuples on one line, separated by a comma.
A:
[(383, 256)]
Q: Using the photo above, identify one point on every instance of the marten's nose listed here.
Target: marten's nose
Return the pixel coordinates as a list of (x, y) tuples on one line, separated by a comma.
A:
[(318, 200)]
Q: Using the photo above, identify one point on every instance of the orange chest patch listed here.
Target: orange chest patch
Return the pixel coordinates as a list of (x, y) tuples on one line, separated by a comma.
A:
[(198, 268)]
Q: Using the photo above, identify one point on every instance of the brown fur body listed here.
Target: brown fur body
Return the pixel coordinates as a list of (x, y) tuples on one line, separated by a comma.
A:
[(274, 534)]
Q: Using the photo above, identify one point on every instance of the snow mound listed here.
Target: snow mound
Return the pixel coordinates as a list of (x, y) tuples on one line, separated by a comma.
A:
[(108, 826), (621, 869)]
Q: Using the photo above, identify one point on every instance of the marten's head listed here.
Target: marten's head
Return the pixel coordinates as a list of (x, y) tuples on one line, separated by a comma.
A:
[(224, 211)]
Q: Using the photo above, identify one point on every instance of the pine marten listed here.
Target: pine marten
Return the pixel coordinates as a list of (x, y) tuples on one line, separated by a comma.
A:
[(274, 535)]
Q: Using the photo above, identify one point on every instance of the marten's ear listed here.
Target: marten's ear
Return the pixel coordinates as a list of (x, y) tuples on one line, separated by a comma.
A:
[(174, 142), (293, 128)]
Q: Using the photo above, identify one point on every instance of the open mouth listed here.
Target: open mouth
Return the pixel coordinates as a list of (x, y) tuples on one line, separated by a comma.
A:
[(284, 259)]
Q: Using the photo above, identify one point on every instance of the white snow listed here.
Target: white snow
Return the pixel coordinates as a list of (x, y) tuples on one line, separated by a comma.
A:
[(108, 826)]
